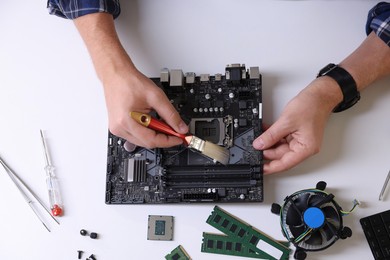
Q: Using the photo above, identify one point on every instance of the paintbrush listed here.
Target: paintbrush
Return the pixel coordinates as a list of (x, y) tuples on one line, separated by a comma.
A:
[(211, 150)]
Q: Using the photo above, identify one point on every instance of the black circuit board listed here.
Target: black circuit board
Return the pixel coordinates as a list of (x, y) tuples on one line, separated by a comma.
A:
[(225, 109)]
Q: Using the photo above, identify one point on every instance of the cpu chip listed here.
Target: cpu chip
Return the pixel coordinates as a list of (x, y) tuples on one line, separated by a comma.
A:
[(160, 227)]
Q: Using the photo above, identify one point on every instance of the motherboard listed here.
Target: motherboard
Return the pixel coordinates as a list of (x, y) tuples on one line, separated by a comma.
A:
[(225, 109)]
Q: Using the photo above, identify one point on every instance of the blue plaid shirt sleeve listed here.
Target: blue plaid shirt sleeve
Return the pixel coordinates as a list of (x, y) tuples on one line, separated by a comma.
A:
[(71, 9), (379, 21)]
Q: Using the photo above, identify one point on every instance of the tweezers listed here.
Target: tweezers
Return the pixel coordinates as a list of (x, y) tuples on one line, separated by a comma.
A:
[(22, 187)]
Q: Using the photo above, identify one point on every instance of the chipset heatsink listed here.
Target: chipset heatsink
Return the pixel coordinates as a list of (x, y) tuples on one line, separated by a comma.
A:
[(160, 227)]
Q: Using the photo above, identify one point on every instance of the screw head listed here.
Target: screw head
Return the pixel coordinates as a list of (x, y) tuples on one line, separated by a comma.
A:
[(93, 235), (83, 232)]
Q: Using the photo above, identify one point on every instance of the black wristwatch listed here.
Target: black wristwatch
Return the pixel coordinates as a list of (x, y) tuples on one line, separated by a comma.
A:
[(347, 85)]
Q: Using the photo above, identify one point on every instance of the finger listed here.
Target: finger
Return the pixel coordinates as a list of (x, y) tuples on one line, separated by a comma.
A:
[(130, 147), (149, 138), (123, 132), (270, 137), (167, 112), (165, 141), (130, 130), (277, 152), (286, 162), (297, 153), (140, 135)]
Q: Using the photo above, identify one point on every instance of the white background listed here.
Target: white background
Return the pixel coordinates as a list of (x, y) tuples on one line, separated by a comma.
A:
[(47, 82)]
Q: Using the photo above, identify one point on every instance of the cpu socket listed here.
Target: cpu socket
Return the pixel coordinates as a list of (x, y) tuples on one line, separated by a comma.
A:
[(216, 130)]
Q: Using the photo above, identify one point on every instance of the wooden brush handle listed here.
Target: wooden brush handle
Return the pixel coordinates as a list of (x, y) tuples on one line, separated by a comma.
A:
[(155, 124)]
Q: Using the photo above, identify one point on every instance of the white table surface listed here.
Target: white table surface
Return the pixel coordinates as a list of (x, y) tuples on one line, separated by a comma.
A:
[(48, 82)]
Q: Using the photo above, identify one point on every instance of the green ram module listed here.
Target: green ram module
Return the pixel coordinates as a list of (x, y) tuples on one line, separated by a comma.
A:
[(245, 234), (222, 244), (178, 254)]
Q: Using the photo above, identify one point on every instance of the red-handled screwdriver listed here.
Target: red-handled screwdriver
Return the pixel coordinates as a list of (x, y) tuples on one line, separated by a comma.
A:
[(211, 150)]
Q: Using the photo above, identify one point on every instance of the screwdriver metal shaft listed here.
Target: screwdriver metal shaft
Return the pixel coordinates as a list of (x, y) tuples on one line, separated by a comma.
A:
[(384, 186)]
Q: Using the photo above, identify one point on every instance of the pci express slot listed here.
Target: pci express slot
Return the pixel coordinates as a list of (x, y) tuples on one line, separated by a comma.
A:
[(200, 176), (185, 185), (240, 171)]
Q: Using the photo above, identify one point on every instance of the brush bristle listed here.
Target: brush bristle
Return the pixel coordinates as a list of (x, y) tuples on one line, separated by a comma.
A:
[(216, 152)]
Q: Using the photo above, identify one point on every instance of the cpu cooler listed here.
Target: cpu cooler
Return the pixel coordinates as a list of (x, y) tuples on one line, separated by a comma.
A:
[(312, 220)]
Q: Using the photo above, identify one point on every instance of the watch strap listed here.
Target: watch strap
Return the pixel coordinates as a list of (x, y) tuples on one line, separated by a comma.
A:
[(347, 85)]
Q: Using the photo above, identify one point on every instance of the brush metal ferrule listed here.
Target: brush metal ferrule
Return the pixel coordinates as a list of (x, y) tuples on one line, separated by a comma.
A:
[(196, 143)]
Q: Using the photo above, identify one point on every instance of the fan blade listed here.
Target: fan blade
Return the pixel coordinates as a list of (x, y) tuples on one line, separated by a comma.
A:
[(293, 216), (295, 210), (297, 230), (335, 223), (331, 213), (302, 202), (314, 199), (322, 200), (324, 235), (315, 239), (329, 230)]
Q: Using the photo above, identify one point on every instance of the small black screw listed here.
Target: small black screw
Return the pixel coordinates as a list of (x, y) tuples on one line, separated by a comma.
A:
[(80, 253), (83, 232), (93, 235)]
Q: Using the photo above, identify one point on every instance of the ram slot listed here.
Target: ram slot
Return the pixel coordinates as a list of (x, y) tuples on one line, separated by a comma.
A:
[(191, 177)]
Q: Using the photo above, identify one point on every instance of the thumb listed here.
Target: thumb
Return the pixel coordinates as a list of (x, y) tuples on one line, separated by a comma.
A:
[(270, 137), (170, 115)]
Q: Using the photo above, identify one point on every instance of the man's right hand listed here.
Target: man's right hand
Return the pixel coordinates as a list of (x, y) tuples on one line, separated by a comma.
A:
[(133, 91), (125, 88)]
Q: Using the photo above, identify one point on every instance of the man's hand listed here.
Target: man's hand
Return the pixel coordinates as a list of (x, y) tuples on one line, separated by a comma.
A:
[(125, 88), (298, 133), (132, 91)]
